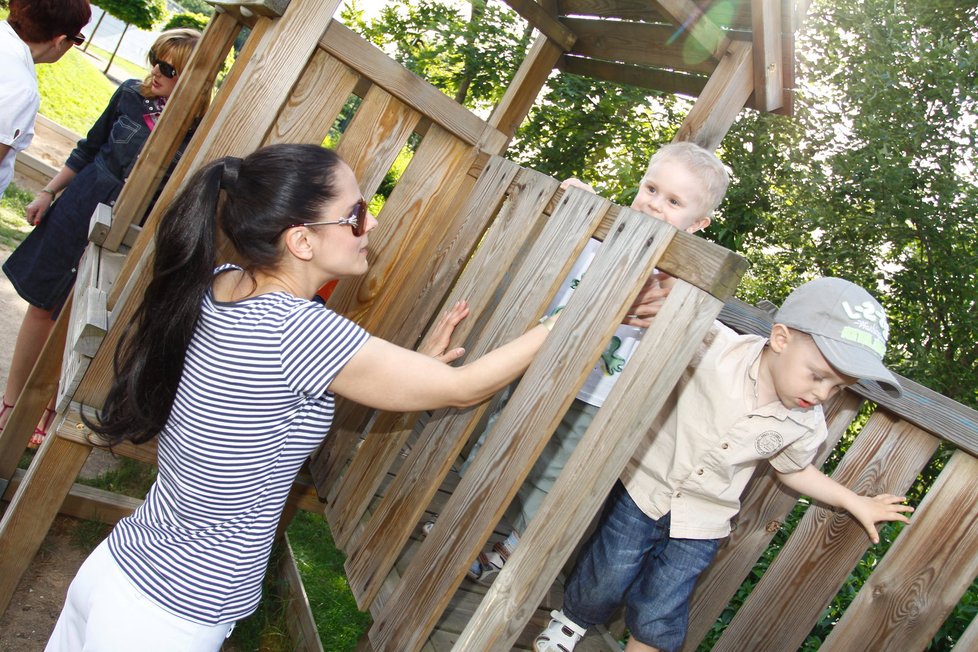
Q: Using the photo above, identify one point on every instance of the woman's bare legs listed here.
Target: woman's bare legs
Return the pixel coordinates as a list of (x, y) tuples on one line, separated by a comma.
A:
[(34, 331)]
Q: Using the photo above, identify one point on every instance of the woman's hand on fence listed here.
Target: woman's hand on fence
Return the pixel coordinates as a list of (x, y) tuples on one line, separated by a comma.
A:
[(36, 209), (436, 344)]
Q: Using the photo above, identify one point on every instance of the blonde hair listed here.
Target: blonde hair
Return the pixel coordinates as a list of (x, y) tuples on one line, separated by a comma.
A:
[(701, 162), (175, 46)]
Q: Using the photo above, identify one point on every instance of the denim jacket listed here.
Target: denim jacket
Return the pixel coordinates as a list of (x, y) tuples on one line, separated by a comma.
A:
[(116, 138)]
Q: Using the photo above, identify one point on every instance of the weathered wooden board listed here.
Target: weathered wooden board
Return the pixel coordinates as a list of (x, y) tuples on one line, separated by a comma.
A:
[(924, 573), (886, 457)]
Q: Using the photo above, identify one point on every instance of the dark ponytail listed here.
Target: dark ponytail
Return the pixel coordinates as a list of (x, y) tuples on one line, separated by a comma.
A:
[(263, 194)]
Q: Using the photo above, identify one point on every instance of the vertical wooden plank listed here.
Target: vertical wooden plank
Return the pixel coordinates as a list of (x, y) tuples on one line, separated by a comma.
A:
[(763, 509), (592, 469), (925, 572), (886, 457), (596, 308), (420, 209), (316, 101), (376, 136), (722, 98), (766, 30), (161, 146), (391, 431), (413, 213), (532, 288)]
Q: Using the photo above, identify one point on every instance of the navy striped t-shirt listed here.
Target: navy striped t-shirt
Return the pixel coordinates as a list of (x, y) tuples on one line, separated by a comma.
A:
[(252, 404)]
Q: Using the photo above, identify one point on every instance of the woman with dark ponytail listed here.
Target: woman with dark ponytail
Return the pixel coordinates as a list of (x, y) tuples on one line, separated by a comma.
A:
[(235, 370)]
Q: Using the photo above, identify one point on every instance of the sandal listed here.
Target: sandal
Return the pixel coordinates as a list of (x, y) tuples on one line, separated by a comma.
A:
[(561, 635), (7, 407), (41, 430), (482, 567)]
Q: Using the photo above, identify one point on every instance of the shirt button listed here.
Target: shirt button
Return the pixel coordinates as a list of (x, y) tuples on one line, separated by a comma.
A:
[(699, 471), (679, 494), (725, 446)]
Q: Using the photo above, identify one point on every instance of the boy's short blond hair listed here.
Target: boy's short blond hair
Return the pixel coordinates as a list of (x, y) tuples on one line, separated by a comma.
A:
[(703, 163)]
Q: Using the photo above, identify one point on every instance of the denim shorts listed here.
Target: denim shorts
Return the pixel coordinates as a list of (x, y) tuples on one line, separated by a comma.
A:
[(630, 558)]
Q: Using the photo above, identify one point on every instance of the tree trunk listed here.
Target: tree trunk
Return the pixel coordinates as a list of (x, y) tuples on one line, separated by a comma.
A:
[(112, 58), (95, 29)]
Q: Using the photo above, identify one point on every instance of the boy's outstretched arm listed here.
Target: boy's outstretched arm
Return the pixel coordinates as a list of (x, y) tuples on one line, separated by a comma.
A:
[(865, 509)]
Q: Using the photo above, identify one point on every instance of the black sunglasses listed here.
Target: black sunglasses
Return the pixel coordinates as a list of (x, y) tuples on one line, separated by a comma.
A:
[(166, 69), (357, 220), (77, 39)]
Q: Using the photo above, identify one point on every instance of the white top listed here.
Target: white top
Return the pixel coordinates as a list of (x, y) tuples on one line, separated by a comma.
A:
[(19, 99), (606, 371), (252, 404)]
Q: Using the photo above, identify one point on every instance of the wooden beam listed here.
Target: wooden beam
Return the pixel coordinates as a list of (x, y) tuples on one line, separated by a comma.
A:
[(544, 21), (655, 79), (87, 503), (642, 10), (635, 43), (721, 100), (523, 90), (698, 24), (768, 91), (366, 58)]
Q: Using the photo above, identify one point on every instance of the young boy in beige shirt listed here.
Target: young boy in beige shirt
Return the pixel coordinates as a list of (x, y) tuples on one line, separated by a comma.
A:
[(743, 399)]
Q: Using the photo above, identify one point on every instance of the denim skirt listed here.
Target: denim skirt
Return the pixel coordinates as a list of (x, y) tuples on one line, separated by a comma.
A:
[(43, 268)]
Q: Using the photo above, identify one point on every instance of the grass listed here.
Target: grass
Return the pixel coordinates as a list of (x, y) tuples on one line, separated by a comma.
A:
[(13, 227), (73, 91), (133, 70)]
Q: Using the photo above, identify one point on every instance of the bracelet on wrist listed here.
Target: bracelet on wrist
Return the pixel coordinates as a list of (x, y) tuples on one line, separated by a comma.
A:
[(50, 192), (548, 321)]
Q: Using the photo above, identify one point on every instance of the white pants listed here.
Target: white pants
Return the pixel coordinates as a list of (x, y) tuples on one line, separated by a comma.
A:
[(104, 612)]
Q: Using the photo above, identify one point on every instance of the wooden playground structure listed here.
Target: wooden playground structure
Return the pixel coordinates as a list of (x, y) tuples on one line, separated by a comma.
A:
[(463, 221)]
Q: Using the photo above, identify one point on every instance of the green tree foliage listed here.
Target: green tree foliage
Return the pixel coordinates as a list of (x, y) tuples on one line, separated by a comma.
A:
[(874, 179), (198, 7), (877, 179), (449, 44), (187, 19), (144, 14)]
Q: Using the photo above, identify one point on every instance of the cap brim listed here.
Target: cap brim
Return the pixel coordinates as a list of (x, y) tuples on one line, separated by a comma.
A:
[(855, 361)]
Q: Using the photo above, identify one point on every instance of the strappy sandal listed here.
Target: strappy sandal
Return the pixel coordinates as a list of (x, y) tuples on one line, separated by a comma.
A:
[(7, 407), (561, 635), (41, 430)]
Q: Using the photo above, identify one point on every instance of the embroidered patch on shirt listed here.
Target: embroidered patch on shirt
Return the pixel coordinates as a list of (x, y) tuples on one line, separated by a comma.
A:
[(768, 443)]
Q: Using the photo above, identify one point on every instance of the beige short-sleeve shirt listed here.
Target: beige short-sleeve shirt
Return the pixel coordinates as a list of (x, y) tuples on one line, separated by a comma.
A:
[(703, 448)]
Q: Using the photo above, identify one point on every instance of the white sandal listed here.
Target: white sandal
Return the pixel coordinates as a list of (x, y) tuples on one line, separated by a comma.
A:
[(561, 635)]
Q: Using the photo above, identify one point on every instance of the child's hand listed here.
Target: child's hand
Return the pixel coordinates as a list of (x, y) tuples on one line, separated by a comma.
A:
[(435, 345), (649, 300), (575, 183), (884, 507)]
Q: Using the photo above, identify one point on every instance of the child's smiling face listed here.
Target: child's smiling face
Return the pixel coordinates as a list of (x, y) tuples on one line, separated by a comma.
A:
[(671, 192)]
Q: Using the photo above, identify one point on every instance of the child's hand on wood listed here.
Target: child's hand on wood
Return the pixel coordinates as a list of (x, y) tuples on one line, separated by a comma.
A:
[(884, 507), (649, 300), (436, 343), (575, 183)]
